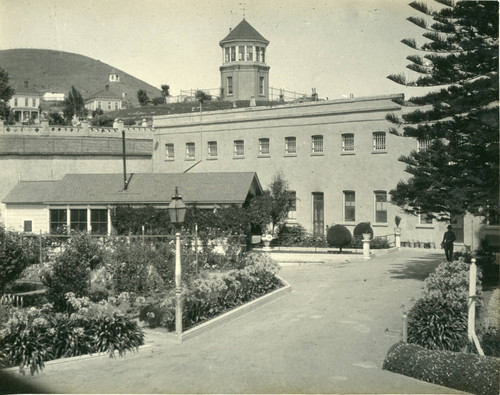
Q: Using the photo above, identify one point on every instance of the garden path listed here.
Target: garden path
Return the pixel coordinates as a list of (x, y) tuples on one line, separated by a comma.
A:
[(329, 335)]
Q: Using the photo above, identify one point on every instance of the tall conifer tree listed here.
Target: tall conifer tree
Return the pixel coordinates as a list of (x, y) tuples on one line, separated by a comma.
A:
[(459, 171)]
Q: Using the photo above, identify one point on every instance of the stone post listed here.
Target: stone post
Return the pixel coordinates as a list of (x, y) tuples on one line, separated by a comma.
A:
[(397, 235), (366, 245)]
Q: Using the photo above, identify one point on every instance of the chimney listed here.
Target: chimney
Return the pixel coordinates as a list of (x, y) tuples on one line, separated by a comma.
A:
[(26, 84), (107, 88)]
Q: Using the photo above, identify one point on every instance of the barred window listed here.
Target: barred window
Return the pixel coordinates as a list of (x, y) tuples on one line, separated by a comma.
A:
[(380, 206), (239, 148), (317, 144), (348, 142), (189, 150), (212, 149), (379, 141), (264, 146), (169, 151), (349, 206), (290, 145)]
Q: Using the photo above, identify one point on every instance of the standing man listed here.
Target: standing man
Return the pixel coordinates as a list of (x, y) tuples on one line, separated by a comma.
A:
[(447, 243)]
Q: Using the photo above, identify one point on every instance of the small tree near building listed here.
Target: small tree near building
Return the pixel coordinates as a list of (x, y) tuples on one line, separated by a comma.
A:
[(143, 97), (74, 105), (6, 93)]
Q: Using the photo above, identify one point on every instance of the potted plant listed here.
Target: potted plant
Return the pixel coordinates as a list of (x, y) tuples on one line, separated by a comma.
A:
[(266, 239), (397, 229)]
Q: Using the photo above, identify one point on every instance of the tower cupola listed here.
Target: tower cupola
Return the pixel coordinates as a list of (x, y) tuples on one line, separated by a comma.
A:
[(244, 72)]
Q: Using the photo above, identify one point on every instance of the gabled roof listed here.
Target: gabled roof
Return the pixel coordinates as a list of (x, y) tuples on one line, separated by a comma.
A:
[(104, 94), (243, 32), (31, 192), (143, 188)]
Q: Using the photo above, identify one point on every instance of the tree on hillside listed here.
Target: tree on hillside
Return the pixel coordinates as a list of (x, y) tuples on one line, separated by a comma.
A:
[(458, 172), (165, 91), (6, 93), (143, 98), (74, 105)]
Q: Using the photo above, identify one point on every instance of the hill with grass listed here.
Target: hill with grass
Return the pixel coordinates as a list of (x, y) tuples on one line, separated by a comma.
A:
[(56, 71)]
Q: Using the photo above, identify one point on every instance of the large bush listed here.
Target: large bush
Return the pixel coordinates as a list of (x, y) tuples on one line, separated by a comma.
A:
[(464, 372), (338, 236), (362, 228), (16, 253), (70, 272), (35, 336), (437, 324)]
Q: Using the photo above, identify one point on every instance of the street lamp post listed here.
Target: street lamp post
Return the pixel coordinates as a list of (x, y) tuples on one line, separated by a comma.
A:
[(177, 210)]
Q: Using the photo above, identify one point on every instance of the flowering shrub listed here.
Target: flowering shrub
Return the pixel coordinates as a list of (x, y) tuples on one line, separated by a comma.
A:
[(464, 372), (34, 336), (205, 298)]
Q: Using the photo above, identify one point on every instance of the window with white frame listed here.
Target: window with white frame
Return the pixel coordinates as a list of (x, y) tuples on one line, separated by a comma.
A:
[(212, 149), (379, 143), (190, 150), (290, 145), (229, 85), (424, 219), (423, 144), (239, 147), (109, 105), (26, 102), (349, 206), (264, 146), (292, 210), (169, 151), (241, 52), (380, 206), (233, 54), (33, 101), (78, 219), (99, 221), (116, 105), (348, 142), (98, 104), (249, 53), (58, 221), (226, 54), (317, 144)]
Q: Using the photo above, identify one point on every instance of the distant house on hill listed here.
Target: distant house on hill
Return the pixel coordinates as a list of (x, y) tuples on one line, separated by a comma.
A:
[(25, 105), (105, 99)]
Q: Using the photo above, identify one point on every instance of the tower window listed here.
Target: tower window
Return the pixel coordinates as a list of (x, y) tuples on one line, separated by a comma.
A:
[(229, 85), (263, 55), (233, 54), (241, 52), (261, 85), (249, 53), (226, 54)]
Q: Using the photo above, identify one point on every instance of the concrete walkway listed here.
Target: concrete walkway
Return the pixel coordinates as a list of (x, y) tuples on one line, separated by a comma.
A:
[(329, 335)]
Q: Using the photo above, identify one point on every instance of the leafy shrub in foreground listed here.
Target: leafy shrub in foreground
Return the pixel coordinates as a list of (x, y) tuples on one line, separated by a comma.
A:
[(437, 324), (362, 228), (34, 336), (15, 255), (464, 372), (338, 236), (71, 270), (489, 337)]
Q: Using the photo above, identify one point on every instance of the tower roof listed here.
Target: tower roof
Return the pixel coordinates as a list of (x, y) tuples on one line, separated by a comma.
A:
[(243, 32)]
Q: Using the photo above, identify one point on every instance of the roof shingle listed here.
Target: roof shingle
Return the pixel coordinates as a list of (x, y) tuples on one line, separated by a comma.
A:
[(243, 32)]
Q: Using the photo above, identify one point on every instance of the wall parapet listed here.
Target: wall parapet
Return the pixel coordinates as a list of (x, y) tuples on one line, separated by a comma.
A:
[(84, 129)]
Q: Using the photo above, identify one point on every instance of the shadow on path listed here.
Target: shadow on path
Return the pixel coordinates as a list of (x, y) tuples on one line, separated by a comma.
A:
[(418, 268)]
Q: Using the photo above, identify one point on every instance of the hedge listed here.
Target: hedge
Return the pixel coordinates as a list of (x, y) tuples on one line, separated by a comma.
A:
[(464, 372)]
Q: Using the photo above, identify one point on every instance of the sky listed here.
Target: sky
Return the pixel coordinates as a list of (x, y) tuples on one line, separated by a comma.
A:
[(339, 47)]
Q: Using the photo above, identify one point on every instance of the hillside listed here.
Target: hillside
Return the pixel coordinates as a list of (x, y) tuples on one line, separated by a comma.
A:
[(56, 71)]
